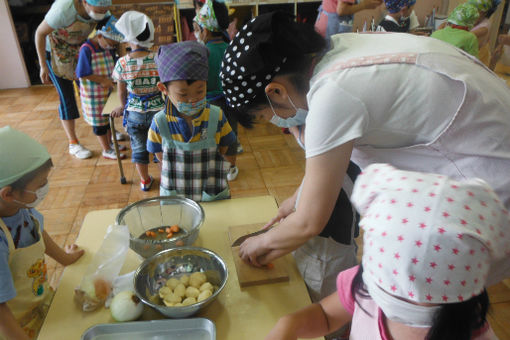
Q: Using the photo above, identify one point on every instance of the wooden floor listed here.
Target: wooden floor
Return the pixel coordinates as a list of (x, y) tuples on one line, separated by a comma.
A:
[(272, 163)]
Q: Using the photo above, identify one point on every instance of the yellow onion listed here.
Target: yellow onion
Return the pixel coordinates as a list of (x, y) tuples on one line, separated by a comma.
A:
[(126, 306)]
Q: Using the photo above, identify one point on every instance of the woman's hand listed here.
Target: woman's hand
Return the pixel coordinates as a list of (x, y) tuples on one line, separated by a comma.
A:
[(286, 208), (44, 74), (371, 4), (117, 112)]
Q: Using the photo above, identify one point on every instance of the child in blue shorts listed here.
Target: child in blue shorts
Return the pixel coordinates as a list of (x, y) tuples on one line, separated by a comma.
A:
[(24, 292), (137, 76), (189, 136)]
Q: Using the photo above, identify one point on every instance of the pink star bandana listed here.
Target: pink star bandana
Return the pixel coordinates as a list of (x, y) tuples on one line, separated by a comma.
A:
[(429, 238)]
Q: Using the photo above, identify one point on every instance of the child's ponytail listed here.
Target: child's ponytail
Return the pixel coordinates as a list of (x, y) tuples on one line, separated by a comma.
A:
[(459, 320)]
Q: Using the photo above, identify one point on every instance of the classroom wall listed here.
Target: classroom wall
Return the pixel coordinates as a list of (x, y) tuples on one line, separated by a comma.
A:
[(13, 72)]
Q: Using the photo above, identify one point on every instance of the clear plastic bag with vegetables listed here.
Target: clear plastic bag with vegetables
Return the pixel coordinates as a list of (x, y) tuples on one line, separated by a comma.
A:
[(97, 282)]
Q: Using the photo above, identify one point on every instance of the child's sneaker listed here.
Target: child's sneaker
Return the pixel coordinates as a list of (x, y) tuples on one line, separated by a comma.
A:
[(146, 186), (110, 154), (121, 147), (79, 151), (120, 135), (232, 173)]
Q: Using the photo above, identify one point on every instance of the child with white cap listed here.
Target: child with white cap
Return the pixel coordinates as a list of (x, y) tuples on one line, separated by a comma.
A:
[(24, 292), (137, 76), (95, 67), (429, 244)]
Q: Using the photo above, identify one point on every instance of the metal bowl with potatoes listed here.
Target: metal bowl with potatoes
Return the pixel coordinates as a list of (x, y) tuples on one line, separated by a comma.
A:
[(158, 279), (160, 223)]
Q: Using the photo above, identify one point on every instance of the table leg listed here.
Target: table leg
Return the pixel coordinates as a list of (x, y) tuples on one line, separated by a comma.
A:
[(116, 146)]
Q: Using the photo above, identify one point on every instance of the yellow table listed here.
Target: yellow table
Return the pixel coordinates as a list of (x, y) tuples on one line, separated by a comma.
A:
[(238, 314)]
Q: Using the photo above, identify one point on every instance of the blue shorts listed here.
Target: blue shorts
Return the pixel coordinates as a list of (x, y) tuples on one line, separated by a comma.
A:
[(67, 109), (137, 125)]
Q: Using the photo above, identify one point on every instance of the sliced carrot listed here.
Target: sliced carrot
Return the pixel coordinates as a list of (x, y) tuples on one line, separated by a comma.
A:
[(175, 228), (168, 230), (148, 233), (153, 234), (161, 230), (169, 235), (270, 266)]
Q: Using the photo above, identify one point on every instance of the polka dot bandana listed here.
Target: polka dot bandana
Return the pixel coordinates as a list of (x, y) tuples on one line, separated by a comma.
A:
[(482, 5), (428, 238), (464, 15), (252, 59)]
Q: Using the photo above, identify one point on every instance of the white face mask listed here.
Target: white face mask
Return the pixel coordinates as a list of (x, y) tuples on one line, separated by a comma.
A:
[(40, 194), (297, 120), (398, 310), (94, 15)]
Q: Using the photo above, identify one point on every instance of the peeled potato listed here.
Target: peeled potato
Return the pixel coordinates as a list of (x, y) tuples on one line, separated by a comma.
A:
[(180, 290), (192, 292), (189, 301), (206, 286), (184, 280), (204, 295), (197, 279), (172, 283), (172, 298), (179, 304), (163, 291), (168, 304)]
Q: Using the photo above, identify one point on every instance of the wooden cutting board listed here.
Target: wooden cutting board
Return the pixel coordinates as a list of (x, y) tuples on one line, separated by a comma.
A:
[(249, 275)]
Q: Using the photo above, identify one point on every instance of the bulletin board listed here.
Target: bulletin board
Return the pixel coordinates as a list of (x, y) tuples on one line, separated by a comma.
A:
[(162, 15)]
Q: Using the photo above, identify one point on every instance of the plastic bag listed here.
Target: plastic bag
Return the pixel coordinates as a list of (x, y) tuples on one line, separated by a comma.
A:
[(96, 285)]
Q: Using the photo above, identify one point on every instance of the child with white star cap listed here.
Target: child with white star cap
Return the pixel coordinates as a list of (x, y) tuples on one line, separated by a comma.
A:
[(429, 244)]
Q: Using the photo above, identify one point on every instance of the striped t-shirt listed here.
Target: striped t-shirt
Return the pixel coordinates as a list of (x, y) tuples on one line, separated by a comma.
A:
[(141, 77), (181, 132)]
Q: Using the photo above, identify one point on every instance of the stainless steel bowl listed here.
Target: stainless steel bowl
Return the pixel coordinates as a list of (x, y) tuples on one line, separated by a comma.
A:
[(154, 271), (158, 212)]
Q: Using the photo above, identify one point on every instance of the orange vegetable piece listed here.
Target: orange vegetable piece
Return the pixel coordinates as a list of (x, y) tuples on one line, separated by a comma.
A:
[(169, 235), (153, 234), (148, 233), (161, 230), (168, 230), (270, 266), (175, 228), (102, 289)]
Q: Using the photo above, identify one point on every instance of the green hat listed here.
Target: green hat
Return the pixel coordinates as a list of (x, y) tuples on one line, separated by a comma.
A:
[(481, 5), (20, 154), (464, 15)]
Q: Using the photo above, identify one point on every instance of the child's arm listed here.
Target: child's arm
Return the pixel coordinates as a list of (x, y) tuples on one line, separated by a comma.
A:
[(65, 257), (9, 326), (122, 93), (104, 81), (314, 320), (346, 8)]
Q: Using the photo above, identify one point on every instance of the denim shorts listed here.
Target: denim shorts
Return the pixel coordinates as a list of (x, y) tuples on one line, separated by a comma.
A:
[(138, 125)]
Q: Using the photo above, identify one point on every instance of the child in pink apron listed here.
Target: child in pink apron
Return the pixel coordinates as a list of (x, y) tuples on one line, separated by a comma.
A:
[(24, 292), (428, 245), (95, 68)]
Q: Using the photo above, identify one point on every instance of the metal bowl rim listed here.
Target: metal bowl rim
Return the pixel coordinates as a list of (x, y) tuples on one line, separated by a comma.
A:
[(197, 305), (184, 200)]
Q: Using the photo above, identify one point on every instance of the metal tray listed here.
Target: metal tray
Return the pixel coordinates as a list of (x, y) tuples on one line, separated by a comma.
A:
[(189, 329)]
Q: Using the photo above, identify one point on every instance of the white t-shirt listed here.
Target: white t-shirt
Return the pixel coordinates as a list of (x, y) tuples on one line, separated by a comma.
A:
[(388, 105)]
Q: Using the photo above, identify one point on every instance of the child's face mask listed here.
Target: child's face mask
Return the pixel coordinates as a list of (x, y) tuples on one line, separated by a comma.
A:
[(40, 194), (189, 99)]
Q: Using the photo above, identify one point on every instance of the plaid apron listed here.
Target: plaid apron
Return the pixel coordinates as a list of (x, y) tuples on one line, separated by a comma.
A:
[(93, 96), (193, 170)]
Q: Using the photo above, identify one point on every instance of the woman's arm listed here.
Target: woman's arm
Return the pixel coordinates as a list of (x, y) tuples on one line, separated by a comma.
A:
[(9, 326), (314, 320), (40, 45), (345, 8), (321, 185)]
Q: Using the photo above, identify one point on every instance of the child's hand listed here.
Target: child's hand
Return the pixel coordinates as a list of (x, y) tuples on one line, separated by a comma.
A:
[(107, 83), (73, 254), (117, 112)]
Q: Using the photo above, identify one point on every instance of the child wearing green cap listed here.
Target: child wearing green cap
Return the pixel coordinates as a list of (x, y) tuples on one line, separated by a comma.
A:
[(24, 291), (457, 33)]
